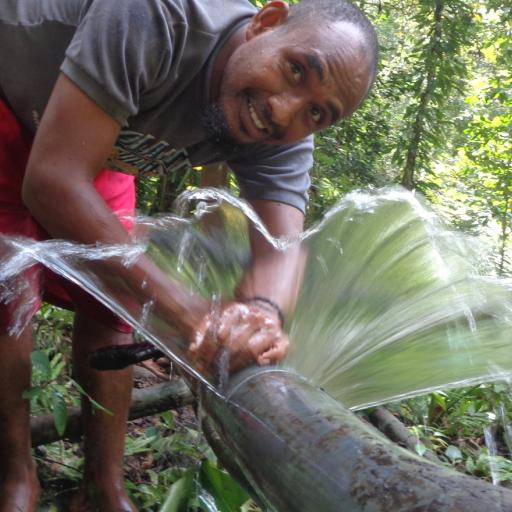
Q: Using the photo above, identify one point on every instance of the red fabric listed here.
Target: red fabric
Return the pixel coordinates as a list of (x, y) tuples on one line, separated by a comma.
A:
[(117, 189)]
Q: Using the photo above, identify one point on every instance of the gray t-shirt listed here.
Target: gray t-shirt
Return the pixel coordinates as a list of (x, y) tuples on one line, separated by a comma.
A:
[(147, 63)]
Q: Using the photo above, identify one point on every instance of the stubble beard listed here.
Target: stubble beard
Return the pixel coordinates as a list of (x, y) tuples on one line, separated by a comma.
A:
[(216, 125)]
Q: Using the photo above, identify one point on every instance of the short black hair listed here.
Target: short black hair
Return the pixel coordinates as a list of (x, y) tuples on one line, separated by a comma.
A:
[(336, 11)]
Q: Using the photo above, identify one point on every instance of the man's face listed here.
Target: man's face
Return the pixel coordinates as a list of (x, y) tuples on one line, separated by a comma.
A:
[(280, 86)]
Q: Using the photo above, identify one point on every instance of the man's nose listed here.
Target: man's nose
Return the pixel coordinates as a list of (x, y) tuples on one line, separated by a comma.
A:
[(284, 107)]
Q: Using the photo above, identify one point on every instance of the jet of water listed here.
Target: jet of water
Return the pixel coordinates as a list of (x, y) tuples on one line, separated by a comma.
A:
[(392, 304)]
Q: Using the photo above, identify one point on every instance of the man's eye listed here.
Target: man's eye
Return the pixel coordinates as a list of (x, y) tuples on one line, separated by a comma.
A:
[(316, 114), (296, 71)]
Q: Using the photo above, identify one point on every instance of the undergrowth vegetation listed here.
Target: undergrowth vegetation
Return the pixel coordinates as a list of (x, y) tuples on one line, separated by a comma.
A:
[(468, 428), (168, 463)]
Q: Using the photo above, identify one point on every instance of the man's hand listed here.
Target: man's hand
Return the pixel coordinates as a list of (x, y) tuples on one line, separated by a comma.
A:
[(247, 331)]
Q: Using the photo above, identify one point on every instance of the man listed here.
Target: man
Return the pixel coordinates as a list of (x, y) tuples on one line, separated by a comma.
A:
[(151, 86)]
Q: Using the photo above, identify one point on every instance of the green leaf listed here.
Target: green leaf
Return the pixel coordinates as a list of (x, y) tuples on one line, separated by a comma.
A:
[(453, 453), (470, 465), (41, 363), (57, 369), (60, 413), (180, 493), (420, 449), (228, 495), (31, 393), (168, 419)]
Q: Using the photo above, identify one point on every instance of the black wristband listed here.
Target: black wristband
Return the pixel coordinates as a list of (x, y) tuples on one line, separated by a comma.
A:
[(270, 303)]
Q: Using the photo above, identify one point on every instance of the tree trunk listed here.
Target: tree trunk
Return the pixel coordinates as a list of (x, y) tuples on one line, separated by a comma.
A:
[(504, 237), (145, 402), (395, 430), (408, 177)]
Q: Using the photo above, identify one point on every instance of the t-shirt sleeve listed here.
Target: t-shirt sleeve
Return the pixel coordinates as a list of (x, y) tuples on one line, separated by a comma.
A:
[(118, 54), (276, 173)]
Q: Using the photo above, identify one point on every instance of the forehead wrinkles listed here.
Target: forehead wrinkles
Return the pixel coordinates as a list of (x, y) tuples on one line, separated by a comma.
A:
[(347, 70)]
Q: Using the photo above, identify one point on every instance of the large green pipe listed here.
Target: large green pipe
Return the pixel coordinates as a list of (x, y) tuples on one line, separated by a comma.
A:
[(302, 451)]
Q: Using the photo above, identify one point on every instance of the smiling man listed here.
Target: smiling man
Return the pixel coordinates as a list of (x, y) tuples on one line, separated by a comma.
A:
[(153, 86), (285, 84)]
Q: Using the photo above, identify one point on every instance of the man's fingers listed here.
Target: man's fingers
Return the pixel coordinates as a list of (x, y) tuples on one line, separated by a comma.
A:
[(245, 331), (262, 342), (232, 317), (276, 353)]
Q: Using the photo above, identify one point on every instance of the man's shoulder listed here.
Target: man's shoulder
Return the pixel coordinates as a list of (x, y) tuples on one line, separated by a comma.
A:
[(200, 12), (208, 16)]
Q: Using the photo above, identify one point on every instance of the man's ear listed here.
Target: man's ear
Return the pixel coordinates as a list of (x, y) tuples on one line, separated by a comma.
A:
[(272, 14)]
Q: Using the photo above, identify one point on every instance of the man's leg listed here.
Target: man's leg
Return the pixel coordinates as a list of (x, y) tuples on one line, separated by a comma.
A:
[(19, 487), (103, 487)]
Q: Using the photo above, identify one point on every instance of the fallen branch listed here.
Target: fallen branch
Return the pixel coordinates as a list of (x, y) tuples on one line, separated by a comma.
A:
[(395, 430), (145, 402)]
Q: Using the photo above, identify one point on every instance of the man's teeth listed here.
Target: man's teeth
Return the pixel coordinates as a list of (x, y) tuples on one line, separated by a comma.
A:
[(255, 118)]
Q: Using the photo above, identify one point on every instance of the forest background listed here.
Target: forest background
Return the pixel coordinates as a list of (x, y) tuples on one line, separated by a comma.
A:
[(437, 121)]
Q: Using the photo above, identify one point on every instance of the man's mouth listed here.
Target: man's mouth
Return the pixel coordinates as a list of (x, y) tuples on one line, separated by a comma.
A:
[(255, 118)]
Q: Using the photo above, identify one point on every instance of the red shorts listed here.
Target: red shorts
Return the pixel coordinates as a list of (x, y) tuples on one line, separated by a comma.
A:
[(118, 191)]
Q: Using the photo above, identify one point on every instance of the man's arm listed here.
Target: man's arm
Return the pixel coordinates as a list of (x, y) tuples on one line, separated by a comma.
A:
[(274, 274), (71, 146)]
